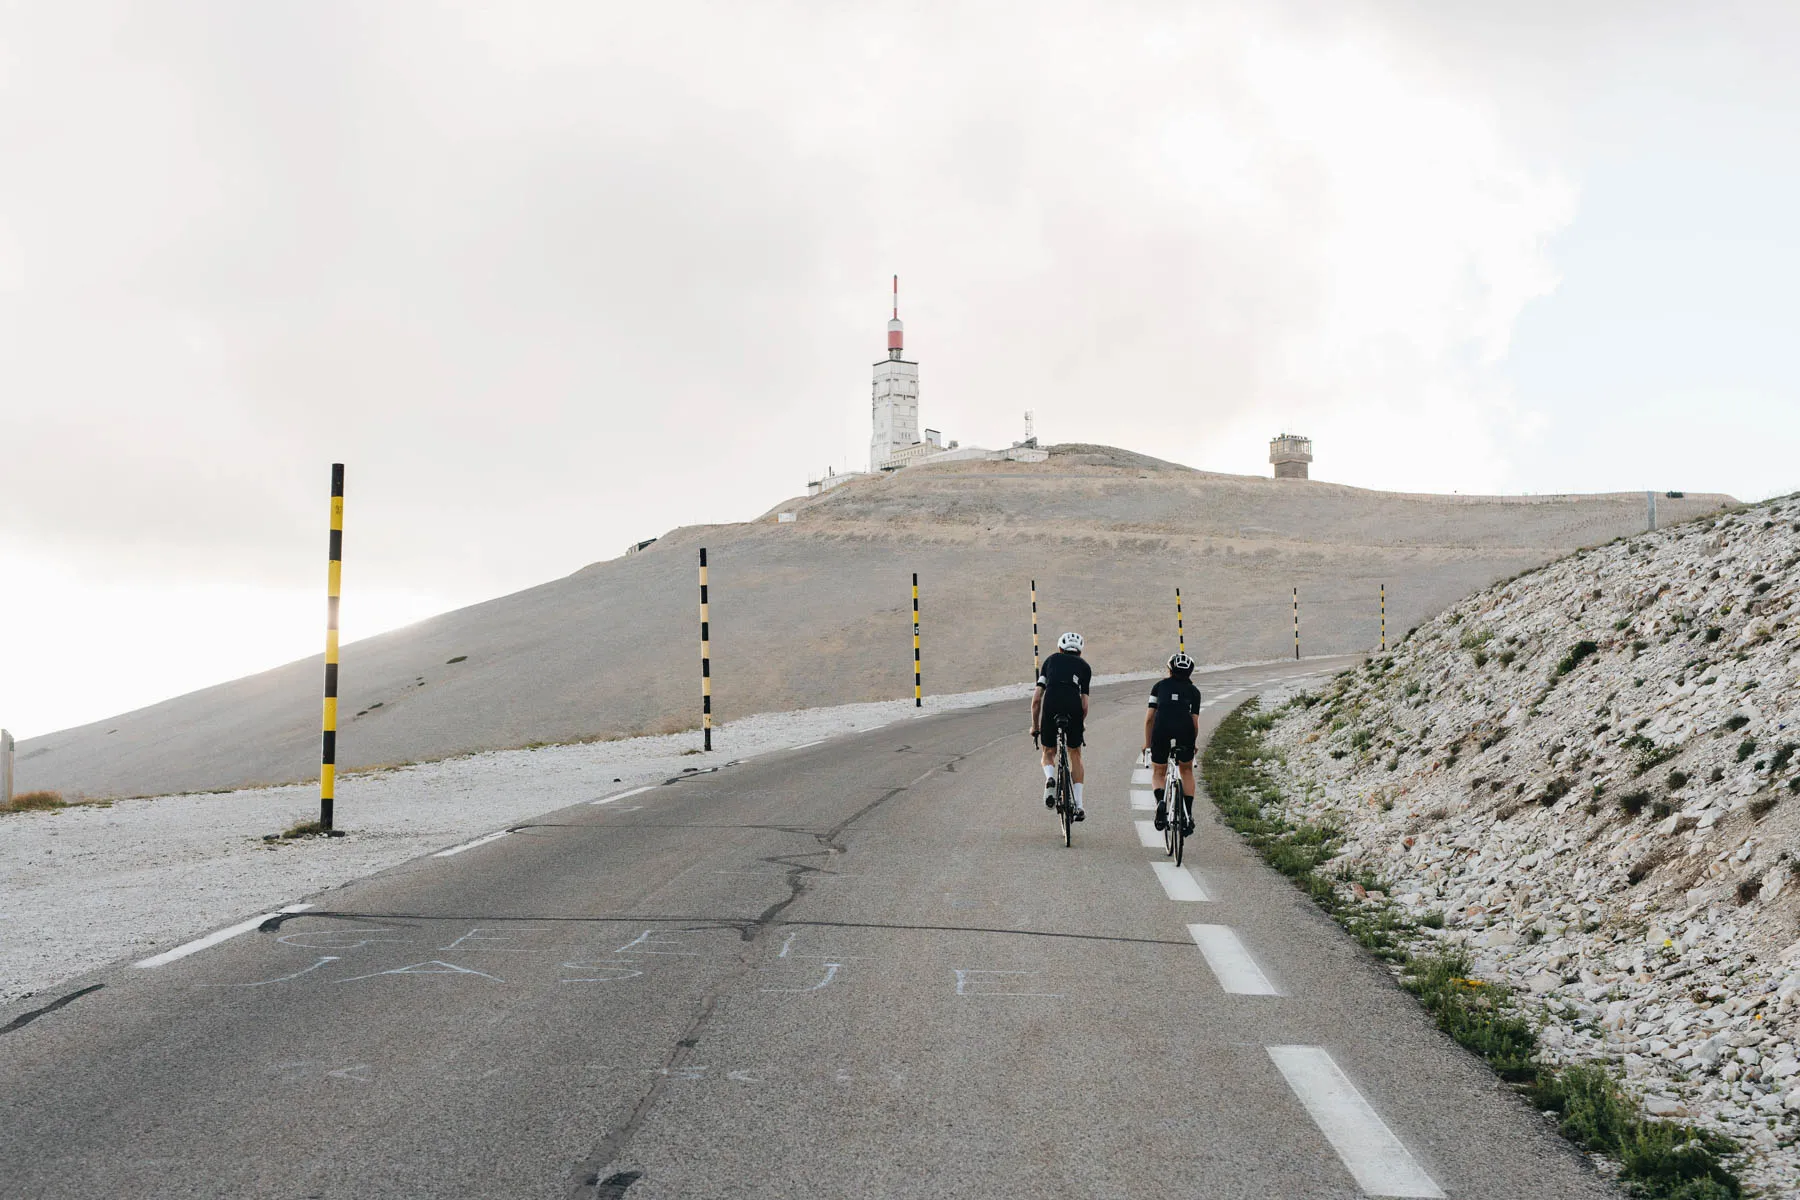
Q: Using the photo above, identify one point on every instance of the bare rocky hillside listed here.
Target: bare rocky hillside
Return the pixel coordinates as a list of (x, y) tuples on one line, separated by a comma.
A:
[(1593, 772), (817, 611)]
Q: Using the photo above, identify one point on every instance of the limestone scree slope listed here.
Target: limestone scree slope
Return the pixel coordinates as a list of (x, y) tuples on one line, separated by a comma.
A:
[(1593, 772), (817, 611)]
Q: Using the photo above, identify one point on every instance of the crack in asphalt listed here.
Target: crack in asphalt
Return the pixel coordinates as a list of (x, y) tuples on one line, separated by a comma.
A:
[(24, 1019), (590, 1179)]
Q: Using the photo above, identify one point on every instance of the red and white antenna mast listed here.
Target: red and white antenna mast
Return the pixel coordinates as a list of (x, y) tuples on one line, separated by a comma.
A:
[(896, 337)]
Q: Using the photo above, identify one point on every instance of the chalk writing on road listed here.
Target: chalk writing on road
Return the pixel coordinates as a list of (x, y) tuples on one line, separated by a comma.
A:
[(323, 959), (475, 935), (600, 972), (652, 942), (336, 939), (970, 982), (893, 1077), (651, 956), (831, 970), (434, 967), (311, 1068)]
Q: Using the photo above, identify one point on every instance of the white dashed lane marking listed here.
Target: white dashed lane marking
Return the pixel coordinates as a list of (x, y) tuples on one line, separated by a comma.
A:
[(480, 841), (1368, 1148), (1142, 799), (1148, 836), (1141, 776), (213, 939), (1179, 882), (1231, 964), (633, 792)]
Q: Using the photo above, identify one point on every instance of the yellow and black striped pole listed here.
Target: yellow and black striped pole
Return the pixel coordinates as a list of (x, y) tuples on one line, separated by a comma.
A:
[(1037, 665), (334, 579), (1180, 630), (1384, 618), (705, 657), (918, 686), (1296, 624)]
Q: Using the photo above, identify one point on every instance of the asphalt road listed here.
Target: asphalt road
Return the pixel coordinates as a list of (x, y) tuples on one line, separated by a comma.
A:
[(863, 968)]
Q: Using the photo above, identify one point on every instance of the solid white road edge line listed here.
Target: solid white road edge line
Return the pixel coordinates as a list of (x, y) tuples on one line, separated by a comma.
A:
[(1179, 882), (480, 841), (213, 939), (633, 792), (1231, 964), (1368, 1148), (1148, 836), (1142, 799)]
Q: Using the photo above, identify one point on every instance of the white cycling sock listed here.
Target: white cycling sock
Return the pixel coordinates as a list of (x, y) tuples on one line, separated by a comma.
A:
[(1078, 795), (1049, 773)]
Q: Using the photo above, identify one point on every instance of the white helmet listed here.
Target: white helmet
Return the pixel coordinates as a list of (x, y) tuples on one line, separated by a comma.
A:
[(1070, 642), (1179, 661)]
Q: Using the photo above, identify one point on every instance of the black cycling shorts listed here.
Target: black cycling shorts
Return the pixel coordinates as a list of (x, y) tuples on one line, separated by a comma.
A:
[(1159, 751), (1073, 729)]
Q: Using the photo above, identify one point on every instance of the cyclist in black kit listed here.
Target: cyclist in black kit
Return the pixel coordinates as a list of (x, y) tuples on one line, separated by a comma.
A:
[(1174, 714), (1062, 691)]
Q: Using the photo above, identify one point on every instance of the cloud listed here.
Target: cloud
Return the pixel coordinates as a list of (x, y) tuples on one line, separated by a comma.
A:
[(554, 277)]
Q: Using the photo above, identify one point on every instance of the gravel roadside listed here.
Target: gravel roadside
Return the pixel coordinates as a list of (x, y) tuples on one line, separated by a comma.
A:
[(1590, 772)]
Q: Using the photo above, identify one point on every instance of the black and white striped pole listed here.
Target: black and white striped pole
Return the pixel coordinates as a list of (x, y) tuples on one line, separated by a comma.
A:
[(334, 579), (705, 657), (918, 685), (1296, 624), (1037, 665), (1180, 629)]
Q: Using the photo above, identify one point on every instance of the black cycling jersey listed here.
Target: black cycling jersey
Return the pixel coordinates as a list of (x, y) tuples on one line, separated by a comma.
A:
[(1064, 680), (1177, 703), (1063, 677)]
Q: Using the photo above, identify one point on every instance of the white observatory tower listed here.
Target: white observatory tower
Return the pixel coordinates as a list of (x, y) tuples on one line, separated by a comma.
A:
[(895, 401)]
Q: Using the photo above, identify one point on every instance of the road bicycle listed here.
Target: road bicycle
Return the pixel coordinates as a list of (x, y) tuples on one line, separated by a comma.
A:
[(1180, 807), (1065, 789)]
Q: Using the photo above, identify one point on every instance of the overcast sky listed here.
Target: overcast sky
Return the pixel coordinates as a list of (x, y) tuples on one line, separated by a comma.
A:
[(551, 277)]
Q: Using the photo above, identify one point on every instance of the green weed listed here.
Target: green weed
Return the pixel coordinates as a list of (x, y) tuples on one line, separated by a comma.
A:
[(1576, 655)]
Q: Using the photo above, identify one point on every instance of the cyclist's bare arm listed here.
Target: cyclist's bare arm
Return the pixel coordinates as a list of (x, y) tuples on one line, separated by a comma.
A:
[(1037, 707), (1149, 723)]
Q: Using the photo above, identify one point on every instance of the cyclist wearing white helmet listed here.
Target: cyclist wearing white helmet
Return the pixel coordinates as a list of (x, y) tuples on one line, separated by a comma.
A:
[(1174, 716), (1062, 691)]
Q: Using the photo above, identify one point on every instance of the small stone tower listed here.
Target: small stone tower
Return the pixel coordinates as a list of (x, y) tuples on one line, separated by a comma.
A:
[(1290, 453)]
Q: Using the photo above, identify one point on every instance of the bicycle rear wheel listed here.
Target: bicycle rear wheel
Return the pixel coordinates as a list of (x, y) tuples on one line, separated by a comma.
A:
[(1171, 806), (1065, 793), (1178, 818)]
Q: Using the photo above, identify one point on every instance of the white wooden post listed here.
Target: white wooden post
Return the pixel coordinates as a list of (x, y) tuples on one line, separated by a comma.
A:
[(6, 764)]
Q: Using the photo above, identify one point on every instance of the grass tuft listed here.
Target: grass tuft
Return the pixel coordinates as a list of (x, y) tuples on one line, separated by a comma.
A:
[(1579, 651), (1659, 1159), (1480, 1016), (304, 829), (35, 802)]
